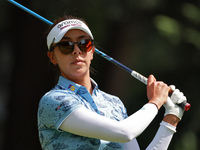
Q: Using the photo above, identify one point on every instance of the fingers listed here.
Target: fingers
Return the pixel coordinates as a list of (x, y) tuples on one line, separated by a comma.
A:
[(157, 91), (178, 97), (151, 79), (152, 82), (172, 87)]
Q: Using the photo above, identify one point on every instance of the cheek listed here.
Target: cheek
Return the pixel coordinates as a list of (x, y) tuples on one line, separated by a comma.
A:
[(62, 62), (91, 57)]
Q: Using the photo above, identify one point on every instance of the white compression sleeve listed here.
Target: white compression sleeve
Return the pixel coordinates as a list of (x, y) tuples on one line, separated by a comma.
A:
[(163, 137), (87, 123), (132, 145)]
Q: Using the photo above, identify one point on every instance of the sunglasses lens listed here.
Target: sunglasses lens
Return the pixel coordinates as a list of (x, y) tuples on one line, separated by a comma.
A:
[(66, 47), (85, 45)]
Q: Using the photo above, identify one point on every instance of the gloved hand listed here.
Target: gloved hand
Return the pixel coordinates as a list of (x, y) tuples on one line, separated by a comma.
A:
[(177, 97)]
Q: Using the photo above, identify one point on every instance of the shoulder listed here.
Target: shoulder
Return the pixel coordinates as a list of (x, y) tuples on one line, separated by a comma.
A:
[(55, 106), (57, 96), (58, 101)]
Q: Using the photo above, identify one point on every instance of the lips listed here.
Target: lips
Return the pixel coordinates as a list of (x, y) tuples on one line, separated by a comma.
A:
[(78, 62)]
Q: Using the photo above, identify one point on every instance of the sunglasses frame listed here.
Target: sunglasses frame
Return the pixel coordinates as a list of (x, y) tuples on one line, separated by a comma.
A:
[(58, 44)]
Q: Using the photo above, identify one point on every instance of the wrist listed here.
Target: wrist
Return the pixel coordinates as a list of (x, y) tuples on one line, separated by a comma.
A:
[(156, 102), (171, 119)]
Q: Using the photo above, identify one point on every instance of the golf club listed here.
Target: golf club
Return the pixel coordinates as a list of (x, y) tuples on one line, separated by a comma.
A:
[(184, 105)]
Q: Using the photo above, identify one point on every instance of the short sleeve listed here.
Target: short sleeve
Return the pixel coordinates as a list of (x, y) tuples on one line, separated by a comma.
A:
[(55, 106)]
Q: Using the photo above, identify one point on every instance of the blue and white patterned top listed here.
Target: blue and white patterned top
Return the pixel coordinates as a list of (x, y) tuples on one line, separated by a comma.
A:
[(61, 101)]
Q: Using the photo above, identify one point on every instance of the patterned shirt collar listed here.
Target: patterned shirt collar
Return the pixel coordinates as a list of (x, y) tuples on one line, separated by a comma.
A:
[(72, 86)]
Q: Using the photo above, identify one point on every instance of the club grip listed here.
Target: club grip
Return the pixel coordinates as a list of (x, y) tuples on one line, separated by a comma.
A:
[(185, 106)]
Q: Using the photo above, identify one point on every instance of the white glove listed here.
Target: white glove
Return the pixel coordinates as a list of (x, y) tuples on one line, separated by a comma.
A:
[(177, 97)]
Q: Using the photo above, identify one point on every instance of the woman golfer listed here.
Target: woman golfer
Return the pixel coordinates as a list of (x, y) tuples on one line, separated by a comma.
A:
[(77, 115)]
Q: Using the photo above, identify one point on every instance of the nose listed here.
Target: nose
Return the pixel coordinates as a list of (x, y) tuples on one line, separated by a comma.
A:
[(76, 50)]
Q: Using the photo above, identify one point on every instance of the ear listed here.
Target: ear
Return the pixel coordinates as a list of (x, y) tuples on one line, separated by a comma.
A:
[(52, 57)]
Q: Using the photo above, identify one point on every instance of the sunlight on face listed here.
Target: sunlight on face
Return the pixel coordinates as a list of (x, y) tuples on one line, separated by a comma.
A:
[(73, 66)]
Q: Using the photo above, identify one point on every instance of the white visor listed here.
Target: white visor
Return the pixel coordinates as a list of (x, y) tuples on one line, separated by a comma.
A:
[(59, 30)]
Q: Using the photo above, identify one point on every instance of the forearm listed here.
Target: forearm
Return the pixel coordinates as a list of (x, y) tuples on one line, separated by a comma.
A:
[(163, 137), (132, 145), (139, 121), (89, 124)]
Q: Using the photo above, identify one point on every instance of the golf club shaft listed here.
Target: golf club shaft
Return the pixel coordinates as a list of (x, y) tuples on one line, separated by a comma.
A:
[(183, 105), (30, 12)]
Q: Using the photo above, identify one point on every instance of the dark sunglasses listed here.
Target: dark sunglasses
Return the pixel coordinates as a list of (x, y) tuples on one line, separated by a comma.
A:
[(67, 47)]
